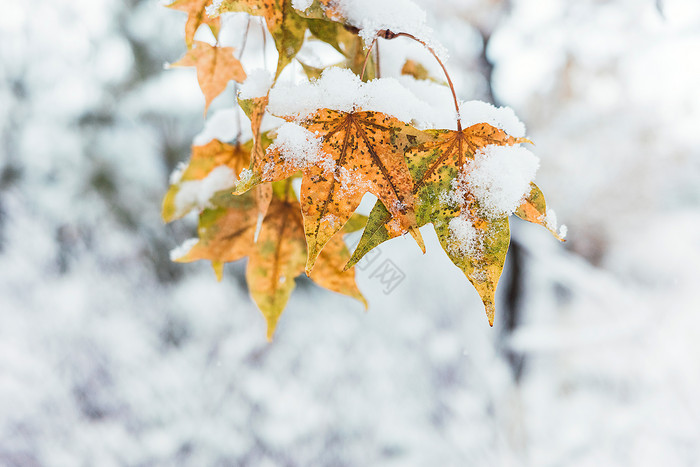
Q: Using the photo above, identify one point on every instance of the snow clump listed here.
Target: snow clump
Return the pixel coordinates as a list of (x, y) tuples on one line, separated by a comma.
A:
[(299, 146), (499, 178), (342, 90), (197, 193), (257, 84)]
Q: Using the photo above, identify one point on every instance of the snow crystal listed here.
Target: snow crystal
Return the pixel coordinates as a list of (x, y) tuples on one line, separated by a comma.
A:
[(550, 221), (301, 5), (199, 192), (213, 9), (257, 84), (372, 16), (341, 89), (466, 239), (563, 230), (504, 118), (245, 176), (499, 177), (299, 146), (176, 174), (181, 250)]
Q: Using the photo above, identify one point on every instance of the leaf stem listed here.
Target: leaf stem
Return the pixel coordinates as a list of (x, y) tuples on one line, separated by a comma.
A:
[(369, 51), (244, 41), (387, 34)]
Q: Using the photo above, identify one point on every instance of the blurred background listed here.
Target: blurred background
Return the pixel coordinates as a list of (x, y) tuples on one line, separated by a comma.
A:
[(111, 355)]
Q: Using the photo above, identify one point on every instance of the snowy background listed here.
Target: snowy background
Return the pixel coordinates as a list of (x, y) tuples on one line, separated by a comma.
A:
[(112, 355)]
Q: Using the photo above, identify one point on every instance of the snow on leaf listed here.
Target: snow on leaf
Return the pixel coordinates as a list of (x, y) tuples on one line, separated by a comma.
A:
[(498, 177), (534, 209), (189, 191), (475, 243), (196, 16), (216, 66), (341, 89), (363, 152)]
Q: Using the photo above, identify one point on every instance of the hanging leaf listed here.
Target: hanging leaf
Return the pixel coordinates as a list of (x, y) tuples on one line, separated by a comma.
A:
[(227, 234), (285, 25), (216, 66), (196, 16), (183, 194), (434, 165), (534, 209), (356, 153)]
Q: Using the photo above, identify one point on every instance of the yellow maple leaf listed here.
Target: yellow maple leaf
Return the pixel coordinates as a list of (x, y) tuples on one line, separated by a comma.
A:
[(216, 66), (203, 160), (227, 234), (285, 25), (434, 165)]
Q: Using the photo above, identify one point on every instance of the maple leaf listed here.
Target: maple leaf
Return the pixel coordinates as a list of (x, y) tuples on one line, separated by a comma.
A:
[(196, 16), (415, 69), (285, 25), (340, 38), (216, 66), (434, 165), (227, 232), (181, 196), (357, 152), (534, 209)]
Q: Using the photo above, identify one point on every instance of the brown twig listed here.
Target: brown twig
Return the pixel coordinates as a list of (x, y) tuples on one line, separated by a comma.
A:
[(387, 34), (364, 65)]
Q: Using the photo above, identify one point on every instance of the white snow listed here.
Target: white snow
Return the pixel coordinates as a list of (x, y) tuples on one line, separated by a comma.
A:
[(300, 147), (424, 103), (499, 178), (111, 355), (245, 176), (550, 221), (176, 174), (223, 125), (301, 5), (467, 240), (182, 249), (257, 84), (213, 9), (340, 89), (372, 16), (504, 118), (197, 193)]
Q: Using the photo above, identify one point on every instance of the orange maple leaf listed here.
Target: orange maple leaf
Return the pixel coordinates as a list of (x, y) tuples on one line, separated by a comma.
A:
[(196, 16), (359, 152), (203, 160), (285, 25), (216, 66)]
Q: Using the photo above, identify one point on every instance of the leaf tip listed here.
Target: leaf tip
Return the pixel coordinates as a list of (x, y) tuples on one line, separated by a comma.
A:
[(490, 313), (218, 268), (415, 233), (271, 328)]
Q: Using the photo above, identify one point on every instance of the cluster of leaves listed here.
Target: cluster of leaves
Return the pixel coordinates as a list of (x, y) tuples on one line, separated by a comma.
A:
[(365, 151)]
